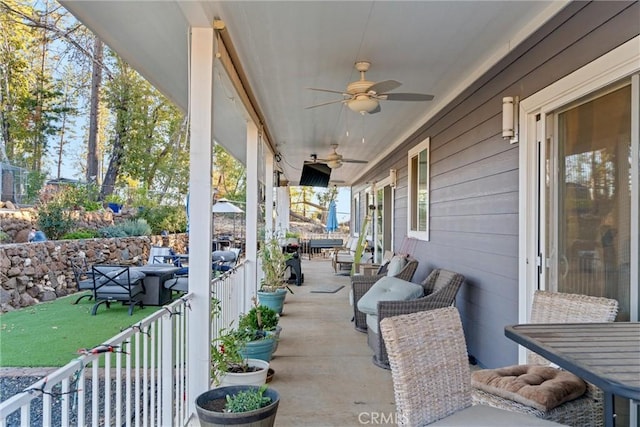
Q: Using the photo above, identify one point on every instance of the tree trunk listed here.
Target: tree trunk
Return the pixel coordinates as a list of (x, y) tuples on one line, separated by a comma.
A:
[(94, 109)]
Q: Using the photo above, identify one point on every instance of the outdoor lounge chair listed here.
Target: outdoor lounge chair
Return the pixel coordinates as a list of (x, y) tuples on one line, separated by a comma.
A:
[(550, 307), (361, 284), (440, 290), (83, 276), (117, 283), (431, 375)]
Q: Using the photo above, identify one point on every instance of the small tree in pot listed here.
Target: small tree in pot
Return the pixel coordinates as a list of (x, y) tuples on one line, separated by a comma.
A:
[(273, 288)]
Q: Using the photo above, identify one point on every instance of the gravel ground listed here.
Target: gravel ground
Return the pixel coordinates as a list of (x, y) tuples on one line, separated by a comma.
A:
[(13, 384)]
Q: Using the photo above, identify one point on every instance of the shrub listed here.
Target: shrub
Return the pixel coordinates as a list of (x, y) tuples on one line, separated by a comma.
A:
[(4, 237), (170, 218), (137, 227), (267, 321), (81, 234), (54, 220)]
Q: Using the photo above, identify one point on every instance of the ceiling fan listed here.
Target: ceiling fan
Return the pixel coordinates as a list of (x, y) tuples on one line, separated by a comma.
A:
[(335, 160), (364, 96)]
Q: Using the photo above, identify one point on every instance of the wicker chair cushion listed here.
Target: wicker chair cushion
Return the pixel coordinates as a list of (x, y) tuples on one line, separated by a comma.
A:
[(541, 387), (396, 265), (388, 289)]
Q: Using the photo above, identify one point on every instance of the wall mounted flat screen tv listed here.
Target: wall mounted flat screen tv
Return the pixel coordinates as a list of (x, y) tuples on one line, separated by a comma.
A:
[(315, 174)]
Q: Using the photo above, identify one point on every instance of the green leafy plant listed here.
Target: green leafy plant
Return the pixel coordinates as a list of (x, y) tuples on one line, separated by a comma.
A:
[(225, 354), (170, 218), (137, 227), (4, 237), (274, 266), (81, 234), (54, 220), (260, 318), (247, 400)]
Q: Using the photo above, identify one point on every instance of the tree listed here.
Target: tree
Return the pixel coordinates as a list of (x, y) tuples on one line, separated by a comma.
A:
[(94, 110), (230, 175)]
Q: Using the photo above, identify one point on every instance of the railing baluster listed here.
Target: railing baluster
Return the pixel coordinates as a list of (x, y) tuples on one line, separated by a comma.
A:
[(149, 376)]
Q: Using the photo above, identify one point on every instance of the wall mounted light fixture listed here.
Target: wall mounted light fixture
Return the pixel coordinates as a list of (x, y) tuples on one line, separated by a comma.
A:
[(510, 106), (393, 176)]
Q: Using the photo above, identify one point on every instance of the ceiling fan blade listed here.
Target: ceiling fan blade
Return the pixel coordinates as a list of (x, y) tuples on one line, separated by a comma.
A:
[(406, 96), (324, 103), (330, 91), (354, 161), (384, 86)]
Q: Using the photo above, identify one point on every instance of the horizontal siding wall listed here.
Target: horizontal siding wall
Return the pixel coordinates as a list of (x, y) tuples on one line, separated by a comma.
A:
[(474, 172)]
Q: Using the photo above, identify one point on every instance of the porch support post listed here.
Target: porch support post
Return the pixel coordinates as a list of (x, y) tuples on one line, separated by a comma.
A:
[(200, 190), (268, 199), (251, 282), (283, 204)]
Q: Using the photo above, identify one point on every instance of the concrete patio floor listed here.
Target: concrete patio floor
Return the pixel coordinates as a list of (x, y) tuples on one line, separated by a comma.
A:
[(323, 367)]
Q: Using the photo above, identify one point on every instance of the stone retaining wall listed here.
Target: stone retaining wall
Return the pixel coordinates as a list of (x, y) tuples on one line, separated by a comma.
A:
[(17, 223), (35, 272)]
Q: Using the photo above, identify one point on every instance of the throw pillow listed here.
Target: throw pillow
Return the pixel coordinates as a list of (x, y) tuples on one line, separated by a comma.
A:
[(396, 265)]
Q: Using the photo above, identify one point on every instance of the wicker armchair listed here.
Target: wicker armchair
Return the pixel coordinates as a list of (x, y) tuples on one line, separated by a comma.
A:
[(361, 284), (431, 376), (554, 307), (440, 288)]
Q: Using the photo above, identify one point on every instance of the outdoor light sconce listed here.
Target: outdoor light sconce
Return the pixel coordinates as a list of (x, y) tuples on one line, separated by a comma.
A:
[(510, 106), (393, 176)]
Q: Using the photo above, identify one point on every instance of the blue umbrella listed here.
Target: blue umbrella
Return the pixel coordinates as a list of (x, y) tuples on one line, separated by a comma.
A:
[(332, 218)]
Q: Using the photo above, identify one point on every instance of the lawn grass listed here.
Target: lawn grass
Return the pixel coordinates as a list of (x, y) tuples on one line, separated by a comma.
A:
[(50, 334)]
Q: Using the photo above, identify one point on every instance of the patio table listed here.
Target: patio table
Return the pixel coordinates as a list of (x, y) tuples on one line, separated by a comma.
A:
[(604, 354), (156, 275)]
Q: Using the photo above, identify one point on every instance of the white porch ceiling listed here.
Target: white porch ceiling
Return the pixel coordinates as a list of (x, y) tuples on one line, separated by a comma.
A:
[(435, 47)]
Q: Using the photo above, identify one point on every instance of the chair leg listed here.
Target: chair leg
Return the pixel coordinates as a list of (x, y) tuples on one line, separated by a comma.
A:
[(94, 309), (83, 296)]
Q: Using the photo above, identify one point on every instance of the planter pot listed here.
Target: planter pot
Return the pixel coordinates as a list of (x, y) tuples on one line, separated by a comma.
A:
[(115, 207), (273, 300), (209, 401), (276, 335), (259, 349), (247, 378)]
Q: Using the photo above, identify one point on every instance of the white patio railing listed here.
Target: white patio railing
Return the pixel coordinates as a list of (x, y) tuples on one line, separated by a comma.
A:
[(137, 378)]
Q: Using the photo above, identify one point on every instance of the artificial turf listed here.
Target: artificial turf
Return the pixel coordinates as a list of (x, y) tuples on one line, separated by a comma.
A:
[(50, 334)]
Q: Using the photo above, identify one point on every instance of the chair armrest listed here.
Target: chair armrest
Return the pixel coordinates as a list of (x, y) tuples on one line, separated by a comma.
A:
[(396, 308), (359, 289), (366, 279)]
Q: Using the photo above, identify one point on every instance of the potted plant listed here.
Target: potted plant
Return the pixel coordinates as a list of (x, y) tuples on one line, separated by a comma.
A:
[(238, 405), (259, 332), (230, 367), (114, 202), (273, 288)]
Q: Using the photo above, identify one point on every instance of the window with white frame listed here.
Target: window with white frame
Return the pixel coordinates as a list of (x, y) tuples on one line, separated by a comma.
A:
[(355, 212), (418, 221)]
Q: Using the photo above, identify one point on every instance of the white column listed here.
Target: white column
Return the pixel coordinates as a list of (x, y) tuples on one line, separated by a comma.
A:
[(283, 204), (200, 108), (268, 200), (251, 282)]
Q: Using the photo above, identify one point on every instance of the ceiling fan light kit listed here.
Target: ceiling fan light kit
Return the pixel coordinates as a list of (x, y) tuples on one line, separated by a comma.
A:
[(364, 96)]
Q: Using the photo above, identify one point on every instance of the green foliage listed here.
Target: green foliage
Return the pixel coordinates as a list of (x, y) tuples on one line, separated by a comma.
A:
[(81, 234), (4, 237), (54, 220), (259, 318), (136, 227), (74, 196), (230, 177), (170, 218), (274, 265), (247, 400), (226, 354), (35, 182), (140, 198)]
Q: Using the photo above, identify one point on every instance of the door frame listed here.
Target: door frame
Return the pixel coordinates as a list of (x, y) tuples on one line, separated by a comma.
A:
[(617, 64), (380, 185)]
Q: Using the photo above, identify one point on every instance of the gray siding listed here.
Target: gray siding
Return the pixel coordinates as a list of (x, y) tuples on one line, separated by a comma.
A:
[(474, 172)]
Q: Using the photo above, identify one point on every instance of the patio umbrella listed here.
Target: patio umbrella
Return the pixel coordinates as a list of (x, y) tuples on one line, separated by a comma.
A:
[(332, 218), (223, 206)]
